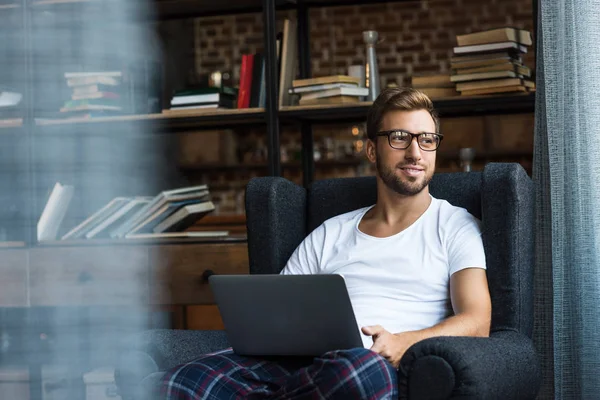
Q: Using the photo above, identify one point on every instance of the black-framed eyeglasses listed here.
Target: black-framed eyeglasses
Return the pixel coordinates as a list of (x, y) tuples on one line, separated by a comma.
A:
[(400, 139)]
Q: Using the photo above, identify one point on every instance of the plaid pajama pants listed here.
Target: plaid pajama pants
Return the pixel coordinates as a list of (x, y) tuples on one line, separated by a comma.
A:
[(345, 374)]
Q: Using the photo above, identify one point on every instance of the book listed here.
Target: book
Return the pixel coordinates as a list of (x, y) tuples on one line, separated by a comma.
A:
[(87, 89), (54, 212), (243, 100), (96, 218), (96, 95), (317, 88), (322, 80), (184, 217), (343, 91), (165, 211), (486, 56), (92, 80), (504, 34), (488, 83), (330, 100), (289, 54), (121, 214), (484, 75), (502, 89), (506, 66), (489, 47)]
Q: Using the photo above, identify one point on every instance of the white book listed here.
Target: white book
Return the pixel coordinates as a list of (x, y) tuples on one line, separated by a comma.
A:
[(114, 217), (197, 98), (490, 47), (316, 88), (54, 212), (344, 91), (190, 212), (96, 218)]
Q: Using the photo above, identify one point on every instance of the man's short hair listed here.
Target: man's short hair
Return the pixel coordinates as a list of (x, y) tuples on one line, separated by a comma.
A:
[(398, 99)]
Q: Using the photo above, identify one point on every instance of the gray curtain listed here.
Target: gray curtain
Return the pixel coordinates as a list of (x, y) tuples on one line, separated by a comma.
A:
[(567, 178)]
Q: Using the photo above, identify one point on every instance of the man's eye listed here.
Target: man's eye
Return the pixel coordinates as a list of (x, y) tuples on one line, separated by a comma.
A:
[(399, 136)]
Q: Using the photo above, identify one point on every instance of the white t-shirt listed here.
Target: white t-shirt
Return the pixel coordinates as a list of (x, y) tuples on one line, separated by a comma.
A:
[(400, 282)]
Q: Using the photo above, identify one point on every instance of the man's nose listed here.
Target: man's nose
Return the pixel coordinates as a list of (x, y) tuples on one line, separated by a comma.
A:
[(413, 151)]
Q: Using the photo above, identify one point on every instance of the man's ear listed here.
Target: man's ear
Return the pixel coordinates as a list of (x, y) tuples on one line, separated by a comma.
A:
[(371, 150)]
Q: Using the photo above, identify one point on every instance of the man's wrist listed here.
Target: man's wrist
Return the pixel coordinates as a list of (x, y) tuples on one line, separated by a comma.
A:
[(411, 337)]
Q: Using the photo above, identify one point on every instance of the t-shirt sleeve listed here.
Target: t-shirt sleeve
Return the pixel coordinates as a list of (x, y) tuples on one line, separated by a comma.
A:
[(465, 245), (305, 260)]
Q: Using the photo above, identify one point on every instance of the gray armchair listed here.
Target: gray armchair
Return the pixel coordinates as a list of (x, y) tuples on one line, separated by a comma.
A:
[(280, 214)]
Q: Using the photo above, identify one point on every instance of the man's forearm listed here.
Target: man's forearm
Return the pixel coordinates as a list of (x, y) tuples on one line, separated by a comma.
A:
[(457, 325)]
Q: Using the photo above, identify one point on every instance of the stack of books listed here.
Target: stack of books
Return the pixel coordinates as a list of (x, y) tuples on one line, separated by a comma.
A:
[(94, 94), (168, 214), (435, 85), (209, 97), (334, 89), (491, 61)]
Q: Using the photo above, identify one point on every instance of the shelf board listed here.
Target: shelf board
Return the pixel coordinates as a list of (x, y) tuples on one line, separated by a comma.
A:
[(179, 118), (485, 104), (128, 242), (446, 107), (8, 245), (9, 6)]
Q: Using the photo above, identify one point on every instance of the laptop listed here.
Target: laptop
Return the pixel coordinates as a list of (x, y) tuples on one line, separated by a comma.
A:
[(286, 315)]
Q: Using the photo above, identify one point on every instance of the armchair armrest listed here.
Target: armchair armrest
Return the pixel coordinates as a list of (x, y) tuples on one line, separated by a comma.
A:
[(149, 354), (503, 366)]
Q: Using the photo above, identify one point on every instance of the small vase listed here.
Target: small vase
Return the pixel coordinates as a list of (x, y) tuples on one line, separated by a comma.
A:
[(372, 70)]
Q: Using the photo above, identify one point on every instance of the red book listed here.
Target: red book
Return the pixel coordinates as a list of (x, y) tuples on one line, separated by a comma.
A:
[(245, 81)]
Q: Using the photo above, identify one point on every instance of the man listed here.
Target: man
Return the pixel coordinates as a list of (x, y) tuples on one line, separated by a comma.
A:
[(414, 267)]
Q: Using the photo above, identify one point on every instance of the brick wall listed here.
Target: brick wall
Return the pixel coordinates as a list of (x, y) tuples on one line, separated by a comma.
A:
[(416, 37)]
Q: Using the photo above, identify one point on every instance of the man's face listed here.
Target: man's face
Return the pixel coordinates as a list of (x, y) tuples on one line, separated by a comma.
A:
[(406, 172)]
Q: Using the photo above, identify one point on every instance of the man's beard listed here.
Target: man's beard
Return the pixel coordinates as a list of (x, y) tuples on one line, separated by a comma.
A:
[(392, 181)]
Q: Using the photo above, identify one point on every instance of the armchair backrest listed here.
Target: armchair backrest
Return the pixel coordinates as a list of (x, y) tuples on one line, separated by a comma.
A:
[(280, 214)]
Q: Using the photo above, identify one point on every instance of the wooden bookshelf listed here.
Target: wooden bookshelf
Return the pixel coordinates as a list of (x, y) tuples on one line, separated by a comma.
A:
[(447, 107)]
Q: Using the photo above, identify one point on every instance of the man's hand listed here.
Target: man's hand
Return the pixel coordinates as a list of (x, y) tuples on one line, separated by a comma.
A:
[(390, 346)]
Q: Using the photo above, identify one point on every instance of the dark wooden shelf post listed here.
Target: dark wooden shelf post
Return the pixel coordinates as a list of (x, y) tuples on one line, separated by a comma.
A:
[(308, 161), (271, 111)]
